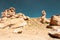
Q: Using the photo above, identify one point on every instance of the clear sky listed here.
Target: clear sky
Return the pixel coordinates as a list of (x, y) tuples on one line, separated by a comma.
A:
[(32, 8)]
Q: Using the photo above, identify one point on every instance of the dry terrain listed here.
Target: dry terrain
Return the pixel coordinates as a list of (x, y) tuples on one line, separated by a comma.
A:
[(33, 31)]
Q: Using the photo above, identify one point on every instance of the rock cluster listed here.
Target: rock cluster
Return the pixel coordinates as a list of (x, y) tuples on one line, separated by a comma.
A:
[(55, 26), (43, 18), (10, 19), (9, 12)]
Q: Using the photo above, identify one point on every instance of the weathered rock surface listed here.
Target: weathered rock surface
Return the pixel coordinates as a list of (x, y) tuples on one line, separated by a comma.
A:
[(18, 22), (55, 26), (55, 20), (21, 15), (8, 12), (12, 20), (43, 18), (55, 32)]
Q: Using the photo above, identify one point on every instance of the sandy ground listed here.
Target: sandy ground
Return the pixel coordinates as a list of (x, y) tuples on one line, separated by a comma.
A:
[(33, 31)]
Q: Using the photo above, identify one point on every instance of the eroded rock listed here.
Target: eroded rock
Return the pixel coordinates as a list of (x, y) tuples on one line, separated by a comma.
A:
[(55, 26), (18, 22), (43, 18), (8, 12), (55, 32), (55, 20), (11, 19)]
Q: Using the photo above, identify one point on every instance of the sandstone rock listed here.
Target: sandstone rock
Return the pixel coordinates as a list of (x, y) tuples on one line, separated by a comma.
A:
[(16, 16), (13, 23), (43, 18), (12, 17), (12, 8), (4, 14), (43, 12), (55, 20), (2, 25), (52, 27), (55, 35), (55, 26), (18, 22), (21, 15), (8, 12), (4, 19)]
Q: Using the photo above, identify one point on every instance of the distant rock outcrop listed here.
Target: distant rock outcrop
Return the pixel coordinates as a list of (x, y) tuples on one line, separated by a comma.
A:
[(43, 18), (10, 19), (8, 12)]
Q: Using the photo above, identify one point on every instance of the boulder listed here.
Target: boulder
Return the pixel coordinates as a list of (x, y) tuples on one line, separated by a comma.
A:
[(8, 12), (13, 23), (55, 26), (4, 23), (18, 22), (55, 20), (55, 32), (21, 15), (55, 35)]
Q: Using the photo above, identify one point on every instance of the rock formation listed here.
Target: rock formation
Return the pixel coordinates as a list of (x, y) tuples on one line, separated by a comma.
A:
[(43, 18), (55, 20), (55, 32), (12, 20), (8, 12), (55, 26), (21, 15)]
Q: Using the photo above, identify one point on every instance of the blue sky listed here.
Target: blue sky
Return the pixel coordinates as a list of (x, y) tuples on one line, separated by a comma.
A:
[(32, 8)]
